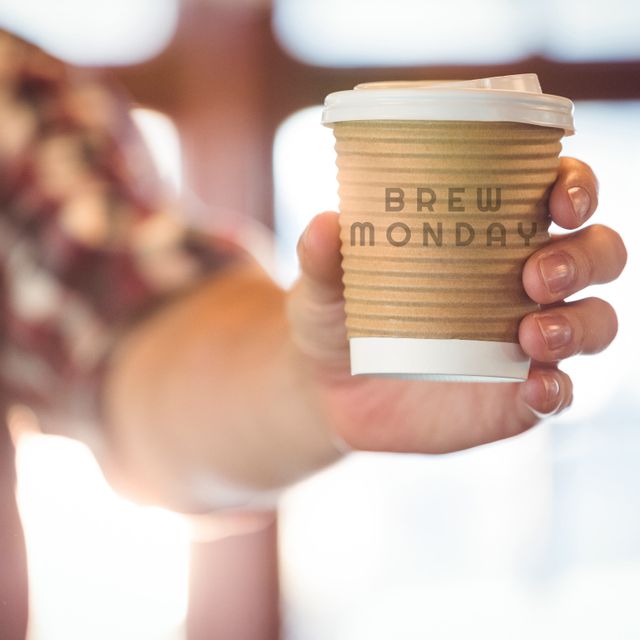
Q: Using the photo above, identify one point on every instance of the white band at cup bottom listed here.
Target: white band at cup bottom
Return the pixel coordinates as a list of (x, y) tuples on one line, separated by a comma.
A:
[(429, 359)]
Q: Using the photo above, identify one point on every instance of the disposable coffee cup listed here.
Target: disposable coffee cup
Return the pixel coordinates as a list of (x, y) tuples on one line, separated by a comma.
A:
[(444, 192)]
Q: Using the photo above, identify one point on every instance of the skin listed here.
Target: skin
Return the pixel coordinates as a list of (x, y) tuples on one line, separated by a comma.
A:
[(244, 383), (240, 385)]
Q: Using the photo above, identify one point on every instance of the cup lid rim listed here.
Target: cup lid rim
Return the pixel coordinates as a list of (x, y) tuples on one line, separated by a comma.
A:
[(500, 99)]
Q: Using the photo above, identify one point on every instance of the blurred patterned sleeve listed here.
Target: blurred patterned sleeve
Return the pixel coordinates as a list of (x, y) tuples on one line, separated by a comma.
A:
[(88, 245)]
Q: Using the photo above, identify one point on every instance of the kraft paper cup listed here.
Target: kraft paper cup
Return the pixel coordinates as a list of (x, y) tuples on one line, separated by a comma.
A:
[(437, 218)]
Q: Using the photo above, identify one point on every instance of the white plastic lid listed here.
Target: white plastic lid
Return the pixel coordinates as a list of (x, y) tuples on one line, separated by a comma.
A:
[(516, 98)]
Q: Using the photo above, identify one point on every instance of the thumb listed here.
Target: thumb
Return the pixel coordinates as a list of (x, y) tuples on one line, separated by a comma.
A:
[(319, 255), (316, 303)]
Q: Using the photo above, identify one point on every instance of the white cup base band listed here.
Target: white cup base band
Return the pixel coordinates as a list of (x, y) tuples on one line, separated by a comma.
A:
[(443, 360)]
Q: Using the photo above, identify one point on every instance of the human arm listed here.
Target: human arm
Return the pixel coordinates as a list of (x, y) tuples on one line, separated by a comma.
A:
[(209, 403), (260, 393), (219, 385)]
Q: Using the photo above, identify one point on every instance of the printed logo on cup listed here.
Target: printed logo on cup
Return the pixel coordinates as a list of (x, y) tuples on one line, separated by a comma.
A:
[(399, 234)]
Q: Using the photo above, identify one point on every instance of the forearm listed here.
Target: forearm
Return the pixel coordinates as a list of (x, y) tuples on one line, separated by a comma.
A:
[(211, 392)]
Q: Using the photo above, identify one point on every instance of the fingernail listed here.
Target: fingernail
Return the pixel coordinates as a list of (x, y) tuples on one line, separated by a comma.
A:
[(551, 400), (555, 330), (581, 201), (558, 271), (551, 389)]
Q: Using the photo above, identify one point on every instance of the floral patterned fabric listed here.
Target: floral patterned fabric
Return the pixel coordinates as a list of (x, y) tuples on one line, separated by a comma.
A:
[(87, 244), (87, 247)]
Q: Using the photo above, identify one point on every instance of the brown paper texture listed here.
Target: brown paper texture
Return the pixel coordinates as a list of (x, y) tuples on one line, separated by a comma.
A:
[(441, 254)]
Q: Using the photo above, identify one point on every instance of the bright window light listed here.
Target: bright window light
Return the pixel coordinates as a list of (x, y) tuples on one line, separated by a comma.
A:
[(163, 141), (593, 29), (116, 32), (378, 32), (305, 182), (382, 33), (413, 540), (534, 533), (100, 567)]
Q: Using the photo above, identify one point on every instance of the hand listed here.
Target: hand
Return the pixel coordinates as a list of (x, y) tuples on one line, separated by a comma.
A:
[(433, 417)]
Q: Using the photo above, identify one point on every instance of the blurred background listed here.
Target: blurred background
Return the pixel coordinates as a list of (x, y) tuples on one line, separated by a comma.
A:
[(535, 537)]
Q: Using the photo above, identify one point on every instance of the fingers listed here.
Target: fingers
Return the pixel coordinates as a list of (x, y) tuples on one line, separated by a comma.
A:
[(586, 326), (319, 255), (546, 391), (315, 305), (574, 196), (570, 263)]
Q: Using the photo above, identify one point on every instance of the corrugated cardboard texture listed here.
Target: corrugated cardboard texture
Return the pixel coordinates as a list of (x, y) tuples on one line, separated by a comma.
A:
[(400, 282)]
